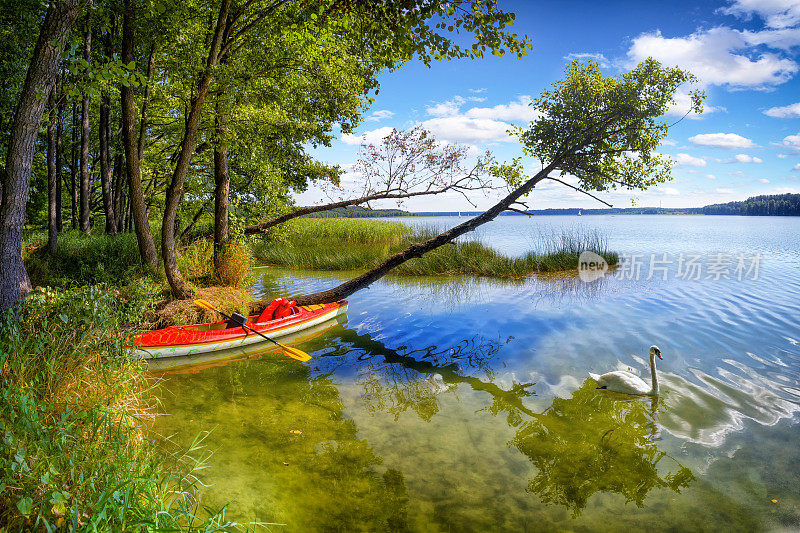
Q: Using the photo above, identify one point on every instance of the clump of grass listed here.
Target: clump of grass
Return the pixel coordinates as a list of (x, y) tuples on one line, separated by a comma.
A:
[(76, 452), (561, 249), (196, 263), (233, 264), (342, 244)]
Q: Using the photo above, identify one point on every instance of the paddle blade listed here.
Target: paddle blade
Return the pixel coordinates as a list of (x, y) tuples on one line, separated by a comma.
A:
[(203, 303), (294, 353)]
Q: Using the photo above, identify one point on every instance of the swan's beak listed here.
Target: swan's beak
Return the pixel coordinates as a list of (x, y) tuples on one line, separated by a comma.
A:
[(658, 353)]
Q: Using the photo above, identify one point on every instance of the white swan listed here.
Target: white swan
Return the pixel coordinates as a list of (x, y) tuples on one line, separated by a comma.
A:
[(627, 383)]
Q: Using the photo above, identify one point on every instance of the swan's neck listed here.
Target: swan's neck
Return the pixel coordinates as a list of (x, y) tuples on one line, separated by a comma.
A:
[(654, 388)]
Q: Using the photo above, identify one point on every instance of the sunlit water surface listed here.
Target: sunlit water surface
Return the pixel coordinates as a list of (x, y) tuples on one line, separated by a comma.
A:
[(451, 404)]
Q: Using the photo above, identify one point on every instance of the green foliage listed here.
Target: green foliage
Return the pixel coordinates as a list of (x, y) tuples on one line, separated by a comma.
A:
[(75, 451), (605, 131)]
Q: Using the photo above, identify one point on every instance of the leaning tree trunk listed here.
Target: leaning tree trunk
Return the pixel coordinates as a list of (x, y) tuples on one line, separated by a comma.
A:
[(144, 236), (418, 249), (42, 69), (52, 230), (84, 210), (175, 190)]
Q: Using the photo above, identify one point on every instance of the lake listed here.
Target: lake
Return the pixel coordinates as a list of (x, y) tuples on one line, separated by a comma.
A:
[(464, 404)]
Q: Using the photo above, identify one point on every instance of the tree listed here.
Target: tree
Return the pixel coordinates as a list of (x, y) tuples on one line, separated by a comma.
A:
[(83, 217), (41, 75), (391, 31), (144, 236), (405, 164), (602, 130)]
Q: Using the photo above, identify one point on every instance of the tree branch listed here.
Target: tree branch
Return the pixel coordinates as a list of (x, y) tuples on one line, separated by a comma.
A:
[(581, 190)]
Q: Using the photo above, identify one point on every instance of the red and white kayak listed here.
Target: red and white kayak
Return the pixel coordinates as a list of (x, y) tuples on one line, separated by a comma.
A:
[(176, 341)]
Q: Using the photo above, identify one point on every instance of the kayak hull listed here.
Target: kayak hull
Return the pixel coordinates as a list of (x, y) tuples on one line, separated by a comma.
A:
[(195, 339)]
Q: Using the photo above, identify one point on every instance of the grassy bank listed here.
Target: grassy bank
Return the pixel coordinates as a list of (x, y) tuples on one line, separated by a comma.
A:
[(356, 244), (78, 453)]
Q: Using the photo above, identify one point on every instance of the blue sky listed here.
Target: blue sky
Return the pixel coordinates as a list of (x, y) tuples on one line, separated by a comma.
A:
[(745, 53)]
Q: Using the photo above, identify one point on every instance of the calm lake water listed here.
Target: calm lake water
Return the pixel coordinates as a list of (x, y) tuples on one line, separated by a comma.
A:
[(453, 404)]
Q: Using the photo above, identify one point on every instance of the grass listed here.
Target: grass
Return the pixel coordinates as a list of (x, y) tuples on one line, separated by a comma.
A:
[(82, 259), (342, 244), (77, 453)]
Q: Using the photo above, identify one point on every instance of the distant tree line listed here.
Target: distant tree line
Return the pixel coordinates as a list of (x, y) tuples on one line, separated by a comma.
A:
[(360, 212), (765, 205)]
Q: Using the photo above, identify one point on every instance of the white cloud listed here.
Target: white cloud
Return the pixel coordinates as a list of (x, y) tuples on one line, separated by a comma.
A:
[(599, 58), (764, 180), (669, 190), (796, 167), (744, 158), (464, 129), (711, 176), (788, 111), (688, 160), (782, 156), (722, 140), (792, 143), (370, 137), (668, 142), (451, 107), (724, 191), (722, 56), (380, 114), (775, 13), (516, 111)]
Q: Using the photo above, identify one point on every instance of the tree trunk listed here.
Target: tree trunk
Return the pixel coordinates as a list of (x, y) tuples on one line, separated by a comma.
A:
[(42, 69), (105, 165), (175, 189), (418, 249), (118, 192), (59, 161), (151, 62), (52, 230), (84, 211), (222, 183), (144, 236), (73, 168)]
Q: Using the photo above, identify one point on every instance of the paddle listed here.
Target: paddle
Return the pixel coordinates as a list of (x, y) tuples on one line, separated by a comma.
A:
[(294, 353)]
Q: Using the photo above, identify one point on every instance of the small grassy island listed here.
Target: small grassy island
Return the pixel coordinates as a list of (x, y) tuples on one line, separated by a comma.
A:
[(341, 244)]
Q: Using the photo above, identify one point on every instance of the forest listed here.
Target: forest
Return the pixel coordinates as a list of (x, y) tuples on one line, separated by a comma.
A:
[(764, 205)]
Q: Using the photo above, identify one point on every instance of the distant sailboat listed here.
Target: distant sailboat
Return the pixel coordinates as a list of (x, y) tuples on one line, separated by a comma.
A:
[(579, 212)]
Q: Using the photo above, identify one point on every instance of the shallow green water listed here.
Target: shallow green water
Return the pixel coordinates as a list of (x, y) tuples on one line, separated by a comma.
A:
[(463, 404)]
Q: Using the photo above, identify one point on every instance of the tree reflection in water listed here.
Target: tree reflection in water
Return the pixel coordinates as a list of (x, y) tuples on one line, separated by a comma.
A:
[(593, 442)]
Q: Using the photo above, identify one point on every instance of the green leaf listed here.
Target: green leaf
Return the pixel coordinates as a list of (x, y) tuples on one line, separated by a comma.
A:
[(25, 506)]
